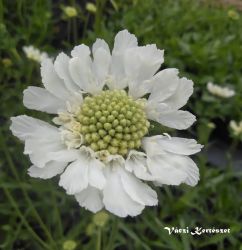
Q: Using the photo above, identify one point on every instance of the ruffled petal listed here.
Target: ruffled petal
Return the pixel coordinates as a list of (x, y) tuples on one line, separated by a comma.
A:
[(178, 119), (164, 84), (116, 200), (52, 82), (81, 51), (65, 155), (177, 145), (141, 63), (181, 95), (100, 43), (151, 146), (137, 190), (75, 177), (50, 170), (166, 171), (136, 163), (90, 198), (80, 71), (41, 139), (123, 41), (172, 169), (101, 65), (40, 99), (61, 66), (96, 177), (36, 148), (25, 127)]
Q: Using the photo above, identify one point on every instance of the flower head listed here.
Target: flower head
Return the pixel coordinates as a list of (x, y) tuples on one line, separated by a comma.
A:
[(234, 15), (91, 7), (219, 91), (70, 11), (236, 128), (34, 54), (103, 104)]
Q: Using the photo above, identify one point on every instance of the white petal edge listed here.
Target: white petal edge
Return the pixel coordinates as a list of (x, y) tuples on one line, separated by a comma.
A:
[(75, 177), (52, 82), (61, 66), (178, 119), (90, 198), (116, 200), (50, 170), (174, 145), (137, 190), (40, 99)]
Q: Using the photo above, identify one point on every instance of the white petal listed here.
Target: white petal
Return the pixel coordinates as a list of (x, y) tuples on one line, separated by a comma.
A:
[(153, 109), (101, 65), (151, 146), (178, 119), (100, 43), (24, 127), (52, 82), (62, 69), (124, 40), (172, 169), (192, 172), (178, 145), (137, 190), (116, 200), (40, 138), (95, 174), (66, 155), (136, 162), (40, 99), (181, 95), (164, 170), (75, 67), (164, 84), (75, 177), (141, 63), (81, 73), (138, 91), (90, 198), (81, 51), (38, 147), (50, 170)]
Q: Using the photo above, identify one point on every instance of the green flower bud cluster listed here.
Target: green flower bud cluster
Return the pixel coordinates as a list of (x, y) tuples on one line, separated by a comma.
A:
[(112, 121)]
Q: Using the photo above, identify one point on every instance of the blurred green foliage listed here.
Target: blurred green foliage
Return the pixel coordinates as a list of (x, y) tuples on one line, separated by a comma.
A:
[(204, 42)]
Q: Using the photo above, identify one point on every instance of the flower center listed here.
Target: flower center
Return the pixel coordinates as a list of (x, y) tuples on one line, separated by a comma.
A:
[(112, 121)]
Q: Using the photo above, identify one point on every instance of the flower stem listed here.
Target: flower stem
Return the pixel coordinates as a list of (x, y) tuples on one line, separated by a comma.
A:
[(22, 217), (99, 239), (26, 196), (114, 231)]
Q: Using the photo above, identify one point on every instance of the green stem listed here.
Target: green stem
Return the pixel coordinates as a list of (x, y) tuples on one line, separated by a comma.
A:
[(22, 217), (114, 231), (57, 212), (99, 239), (30, 204)]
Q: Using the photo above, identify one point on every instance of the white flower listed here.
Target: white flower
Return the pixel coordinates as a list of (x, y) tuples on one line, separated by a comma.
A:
[(219, 91), (99, 146), (236, 127), (35, 54)]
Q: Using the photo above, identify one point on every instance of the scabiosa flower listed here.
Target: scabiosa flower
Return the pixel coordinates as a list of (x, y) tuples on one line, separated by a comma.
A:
[(100, 145), (219, 91)]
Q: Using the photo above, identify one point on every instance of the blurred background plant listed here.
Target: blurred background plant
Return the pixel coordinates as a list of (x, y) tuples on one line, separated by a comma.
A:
[(201, 38)]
